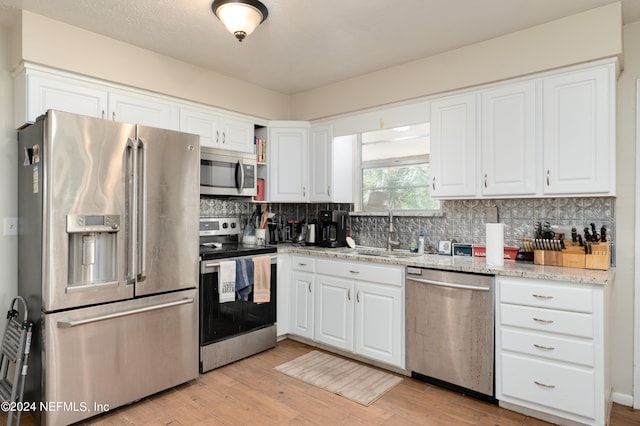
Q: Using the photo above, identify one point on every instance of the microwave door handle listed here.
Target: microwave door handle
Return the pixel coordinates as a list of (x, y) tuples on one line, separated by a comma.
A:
[(142, 274), (240, 183), (132, 180)]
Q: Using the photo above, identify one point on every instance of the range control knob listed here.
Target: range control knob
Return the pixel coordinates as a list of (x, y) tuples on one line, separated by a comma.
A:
[(225, 225), (233, 225)]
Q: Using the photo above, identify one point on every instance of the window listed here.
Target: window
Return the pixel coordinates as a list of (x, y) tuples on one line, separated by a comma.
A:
[(396, 174)]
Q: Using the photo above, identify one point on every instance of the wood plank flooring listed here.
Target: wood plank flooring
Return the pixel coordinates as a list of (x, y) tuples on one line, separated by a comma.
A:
[(251, 392)]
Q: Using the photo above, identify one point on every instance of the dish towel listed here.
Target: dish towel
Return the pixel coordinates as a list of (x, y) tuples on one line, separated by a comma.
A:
[(244, 278), (262, 279), (227, 281)]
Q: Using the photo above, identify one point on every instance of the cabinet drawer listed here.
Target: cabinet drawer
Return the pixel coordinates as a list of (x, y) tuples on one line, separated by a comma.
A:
[(565, 388), (302, 263), (389, 275), (548, 346), (571, 323), (526, 292)]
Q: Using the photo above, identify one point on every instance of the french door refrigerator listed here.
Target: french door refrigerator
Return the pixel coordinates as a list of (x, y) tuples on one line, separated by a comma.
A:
[(108, 262)]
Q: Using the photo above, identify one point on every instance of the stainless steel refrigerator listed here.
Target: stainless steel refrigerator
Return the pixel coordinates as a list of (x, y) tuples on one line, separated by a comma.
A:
[(108, 262)]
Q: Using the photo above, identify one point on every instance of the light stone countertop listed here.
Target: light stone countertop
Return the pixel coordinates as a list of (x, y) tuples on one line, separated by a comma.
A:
[(459, 264)]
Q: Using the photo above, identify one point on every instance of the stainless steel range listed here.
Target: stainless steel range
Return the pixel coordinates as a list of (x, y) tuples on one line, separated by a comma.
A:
[(233, 326)]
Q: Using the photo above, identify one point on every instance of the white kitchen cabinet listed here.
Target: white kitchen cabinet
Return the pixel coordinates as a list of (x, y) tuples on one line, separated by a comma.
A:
[(288, 155), (37, 92), (508, 140), (359, 308), (320, 164), (579, 132), (453, 146), (303, 290), (334, 311), (378, 332), (218, 131), (142, 109), (551, 349)]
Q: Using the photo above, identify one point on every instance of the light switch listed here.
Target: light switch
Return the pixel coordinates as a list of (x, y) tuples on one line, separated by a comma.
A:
[(10, 226)]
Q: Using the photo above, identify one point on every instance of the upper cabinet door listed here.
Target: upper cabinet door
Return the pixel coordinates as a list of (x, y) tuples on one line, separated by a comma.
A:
[(320, 162), (145, 110), (578, 132), (288, 159), (453, 146), (236, 135), (509, 140), (44, 93), (201, 123)]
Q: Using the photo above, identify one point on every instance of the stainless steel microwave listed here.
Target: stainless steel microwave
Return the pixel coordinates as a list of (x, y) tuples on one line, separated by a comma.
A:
[(227, 173)]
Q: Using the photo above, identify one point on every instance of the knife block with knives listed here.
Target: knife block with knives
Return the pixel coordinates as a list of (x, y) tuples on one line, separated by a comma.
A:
[(592, 253)]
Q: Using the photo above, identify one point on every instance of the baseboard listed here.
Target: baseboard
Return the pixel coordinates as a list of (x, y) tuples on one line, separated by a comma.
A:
[(622, 399)]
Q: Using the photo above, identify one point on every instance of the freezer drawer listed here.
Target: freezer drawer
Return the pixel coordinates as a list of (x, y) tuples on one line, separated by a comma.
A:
[(106, 356)]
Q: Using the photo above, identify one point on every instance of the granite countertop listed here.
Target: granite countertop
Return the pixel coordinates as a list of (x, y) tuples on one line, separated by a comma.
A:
[(459, 264)]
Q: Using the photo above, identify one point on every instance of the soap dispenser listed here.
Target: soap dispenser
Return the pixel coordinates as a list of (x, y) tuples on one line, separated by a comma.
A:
[(421, 242)]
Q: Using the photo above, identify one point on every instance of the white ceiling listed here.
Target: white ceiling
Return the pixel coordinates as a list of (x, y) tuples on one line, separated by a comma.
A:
[(306, 44)]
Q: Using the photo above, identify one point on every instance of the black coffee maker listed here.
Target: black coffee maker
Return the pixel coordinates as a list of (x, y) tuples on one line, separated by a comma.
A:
[(333, 225)]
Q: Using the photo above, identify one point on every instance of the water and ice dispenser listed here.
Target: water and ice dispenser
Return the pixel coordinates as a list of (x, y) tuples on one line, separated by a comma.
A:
[(93, 249)]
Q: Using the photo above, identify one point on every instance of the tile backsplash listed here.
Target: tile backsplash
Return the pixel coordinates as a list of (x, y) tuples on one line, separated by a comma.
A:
[(461, 220)]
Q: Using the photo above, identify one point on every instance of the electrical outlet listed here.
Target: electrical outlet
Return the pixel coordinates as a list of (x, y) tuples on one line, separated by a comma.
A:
[(10, 226)]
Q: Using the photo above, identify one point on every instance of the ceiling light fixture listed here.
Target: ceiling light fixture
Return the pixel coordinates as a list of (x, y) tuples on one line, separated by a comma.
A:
[(241, 17)]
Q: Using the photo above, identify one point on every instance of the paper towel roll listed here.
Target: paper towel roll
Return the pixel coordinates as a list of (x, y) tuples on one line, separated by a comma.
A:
[(495, 244)]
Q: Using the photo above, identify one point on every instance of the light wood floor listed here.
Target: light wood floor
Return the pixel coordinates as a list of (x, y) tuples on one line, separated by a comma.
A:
[(251, 392)]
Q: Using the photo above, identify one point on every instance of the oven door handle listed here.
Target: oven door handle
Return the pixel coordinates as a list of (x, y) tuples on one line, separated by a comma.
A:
[(212, 265)]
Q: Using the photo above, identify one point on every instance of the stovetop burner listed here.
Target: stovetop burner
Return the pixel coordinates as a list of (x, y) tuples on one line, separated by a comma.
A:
[(220, 239)]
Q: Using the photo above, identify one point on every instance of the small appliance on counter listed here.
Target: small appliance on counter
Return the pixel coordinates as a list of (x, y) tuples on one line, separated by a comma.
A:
[(311, 236), (333, 224)]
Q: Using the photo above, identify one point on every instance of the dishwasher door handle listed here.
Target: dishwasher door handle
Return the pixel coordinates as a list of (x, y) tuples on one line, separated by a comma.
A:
[(450, 285)]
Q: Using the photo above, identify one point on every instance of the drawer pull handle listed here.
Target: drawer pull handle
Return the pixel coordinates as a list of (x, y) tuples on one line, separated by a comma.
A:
[(544, 386), (302, 264), (544, 348), (542, 297), (543, 321), (309, 286), (354, 272)]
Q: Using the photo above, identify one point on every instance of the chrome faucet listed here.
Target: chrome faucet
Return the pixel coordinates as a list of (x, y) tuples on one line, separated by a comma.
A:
[(391, 243)]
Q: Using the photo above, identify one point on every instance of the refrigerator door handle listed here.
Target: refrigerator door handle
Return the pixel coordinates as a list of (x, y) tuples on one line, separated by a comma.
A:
[(132, 177), (69, 324), (142, 262)]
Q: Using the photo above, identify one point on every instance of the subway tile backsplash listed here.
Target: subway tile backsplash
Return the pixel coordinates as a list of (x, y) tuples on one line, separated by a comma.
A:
[(461, 220)]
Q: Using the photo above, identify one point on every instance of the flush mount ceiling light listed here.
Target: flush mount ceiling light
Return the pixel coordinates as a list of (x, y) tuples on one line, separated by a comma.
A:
[(241, 17)]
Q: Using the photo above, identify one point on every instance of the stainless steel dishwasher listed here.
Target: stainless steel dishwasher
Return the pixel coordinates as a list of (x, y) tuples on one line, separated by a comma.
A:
[(449, 326)]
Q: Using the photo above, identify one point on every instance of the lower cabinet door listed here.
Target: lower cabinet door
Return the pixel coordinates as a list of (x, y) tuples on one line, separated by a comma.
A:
[(302, 304), (378, 323), (560, 386), (334, 312)]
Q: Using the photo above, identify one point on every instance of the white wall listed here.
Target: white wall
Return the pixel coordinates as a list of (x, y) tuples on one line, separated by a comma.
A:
[(623, 291), (583, 37), (58, 45), (8, 183)]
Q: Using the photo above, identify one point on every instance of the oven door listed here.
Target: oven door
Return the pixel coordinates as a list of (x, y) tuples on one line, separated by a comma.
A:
[(227, 173), (219, 321)]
